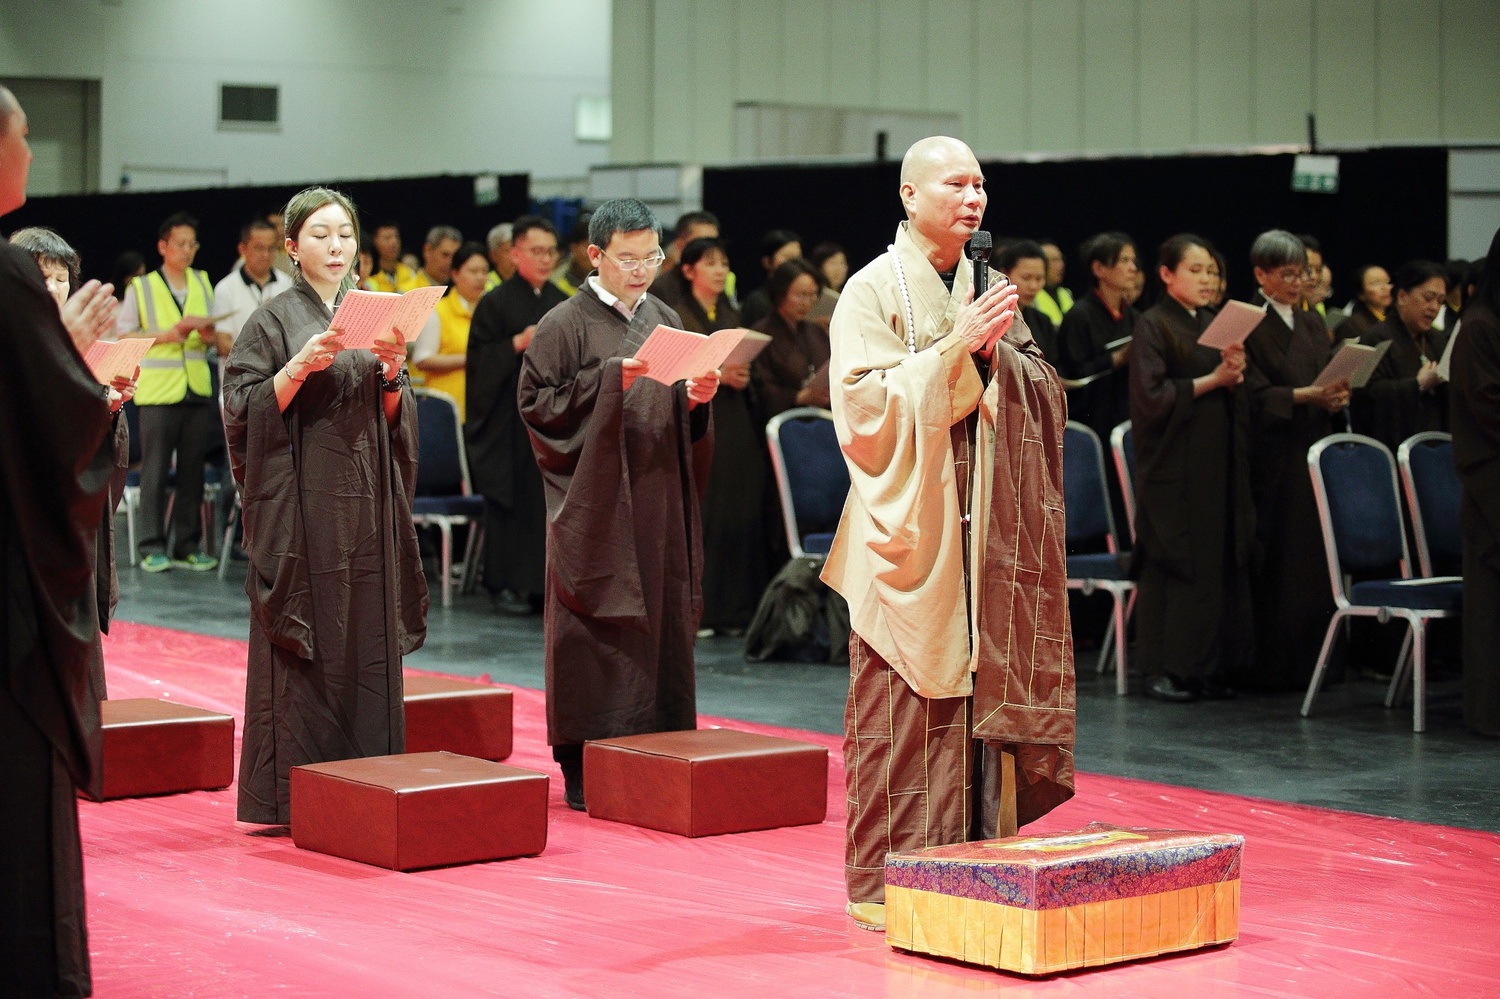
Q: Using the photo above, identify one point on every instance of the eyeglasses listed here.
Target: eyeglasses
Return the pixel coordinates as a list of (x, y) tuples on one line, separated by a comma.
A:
[(541, 252), (630, 266), (1290, 274)]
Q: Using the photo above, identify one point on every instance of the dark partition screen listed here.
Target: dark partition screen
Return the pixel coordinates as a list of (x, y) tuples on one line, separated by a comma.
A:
[(101, 226), (1392, 206)]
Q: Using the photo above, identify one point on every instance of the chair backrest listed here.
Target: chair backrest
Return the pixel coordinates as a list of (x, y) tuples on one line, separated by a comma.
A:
[(1433, 493), (1122, 443), (811, 477), (442, 465), (1091, 523), (1359, 508)]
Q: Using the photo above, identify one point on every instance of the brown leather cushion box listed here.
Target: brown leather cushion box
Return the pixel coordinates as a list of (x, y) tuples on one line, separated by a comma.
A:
[(158, 747), (705, 782), (419, 810), (459, 716)]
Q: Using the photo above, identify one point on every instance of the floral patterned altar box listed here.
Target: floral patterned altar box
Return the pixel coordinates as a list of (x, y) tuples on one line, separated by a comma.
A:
[(1043, 904)]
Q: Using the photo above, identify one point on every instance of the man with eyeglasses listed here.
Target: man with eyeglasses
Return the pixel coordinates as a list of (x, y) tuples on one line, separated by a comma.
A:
[(174, 395), (624, 460), (500, 458)]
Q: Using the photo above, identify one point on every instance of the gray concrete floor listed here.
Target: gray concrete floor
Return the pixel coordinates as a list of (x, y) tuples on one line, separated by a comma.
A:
[(1352, 754)]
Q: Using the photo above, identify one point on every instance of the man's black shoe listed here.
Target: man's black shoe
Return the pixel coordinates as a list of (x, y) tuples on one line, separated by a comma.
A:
[(512, 603), (1166, 688), (1212, 689)]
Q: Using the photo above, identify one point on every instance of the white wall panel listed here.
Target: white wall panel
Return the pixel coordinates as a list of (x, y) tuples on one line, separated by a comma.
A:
[(1471, 52), (1345, 76), (1111, 119), (1409, 58), (1166, 96), (1222, 56), (1055, 75), (999, 117), (1281, 86)]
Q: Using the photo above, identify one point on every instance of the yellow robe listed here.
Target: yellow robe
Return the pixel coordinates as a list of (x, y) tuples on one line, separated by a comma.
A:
[(454, 316)]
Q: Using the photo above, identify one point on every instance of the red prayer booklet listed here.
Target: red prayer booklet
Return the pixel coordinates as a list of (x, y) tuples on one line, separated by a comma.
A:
[(672, 355), (108, 361)]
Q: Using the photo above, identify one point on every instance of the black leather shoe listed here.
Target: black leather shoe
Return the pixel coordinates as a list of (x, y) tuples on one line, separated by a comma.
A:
[(1166, 688), (510, 602), (573, 787), (1212, 689)]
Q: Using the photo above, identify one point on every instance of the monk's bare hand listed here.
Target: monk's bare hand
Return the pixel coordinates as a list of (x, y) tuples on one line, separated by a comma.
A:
[(90, 314), (390, 351), (1430, 376), (315, 355), (630, 370), (735, 376), (983, 321), (701, 390), (1330, 397)]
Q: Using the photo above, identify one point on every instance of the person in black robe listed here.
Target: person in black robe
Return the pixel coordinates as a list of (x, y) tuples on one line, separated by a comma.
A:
[(776, 248), (54, 480), (1195, 526), (624, 460), (1407, 394), (60, 264), (324, 447), (1370, 305), (1025, 263), (793, 369), (1089, 339), (736, 563), (1292, 597), (1475, 398), (500, 461)]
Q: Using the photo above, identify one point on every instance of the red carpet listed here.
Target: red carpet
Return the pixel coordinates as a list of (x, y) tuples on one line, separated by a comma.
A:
[(182, 902)]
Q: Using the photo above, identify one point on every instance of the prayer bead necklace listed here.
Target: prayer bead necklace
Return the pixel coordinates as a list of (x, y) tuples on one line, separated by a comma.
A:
[(911, 326)]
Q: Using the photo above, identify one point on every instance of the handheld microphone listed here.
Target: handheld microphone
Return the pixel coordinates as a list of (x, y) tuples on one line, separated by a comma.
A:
[(980, 245)]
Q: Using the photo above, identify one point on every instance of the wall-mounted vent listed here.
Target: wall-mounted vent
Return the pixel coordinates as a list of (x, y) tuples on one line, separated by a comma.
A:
[(249, 106)]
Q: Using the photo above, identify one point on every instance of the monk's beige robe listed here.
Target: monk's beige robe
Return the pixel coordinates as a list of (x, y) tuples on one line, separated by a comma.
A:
[(898, 556)]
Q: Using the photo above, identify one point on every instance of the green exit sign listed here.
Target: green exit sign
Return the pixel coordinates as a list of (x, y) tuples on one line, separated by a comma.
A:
[(1315, 174)]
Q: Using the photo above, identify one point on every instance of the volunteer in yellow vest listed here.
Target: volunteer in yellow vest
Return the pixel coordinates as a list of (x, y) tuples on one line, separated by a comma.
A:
[(174, 395), (442, 349), (390, 273), (1054, 300), (437, 255)]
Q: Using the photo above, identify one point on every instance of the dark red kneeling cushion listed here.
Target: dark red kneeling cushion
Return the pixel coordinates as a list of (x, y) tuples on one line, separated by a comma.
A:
[(706, 781), (158, 747), (457, 716)]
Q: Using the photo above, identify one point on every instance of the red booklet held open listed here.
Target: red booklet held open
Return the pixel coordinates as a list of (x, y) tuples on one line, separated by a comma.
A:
[(672, 355)]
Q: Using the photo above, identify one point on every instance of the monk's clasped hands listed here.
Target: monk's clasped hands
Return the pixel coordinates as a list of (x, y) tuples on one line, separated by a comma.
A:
[(983, 321)]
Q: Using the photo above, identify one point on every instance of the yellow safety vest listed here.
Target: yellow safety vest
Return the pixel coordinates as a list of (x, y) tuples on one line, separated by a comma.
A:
[(492, 280), (169, 371), (454, 318), (404, 280), (1054, 308)]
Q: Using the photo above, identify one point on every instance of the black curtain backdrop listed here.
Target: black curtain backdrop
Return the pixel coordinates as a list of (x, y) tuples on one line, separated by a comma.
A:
[(102, 226), (1392, 206)]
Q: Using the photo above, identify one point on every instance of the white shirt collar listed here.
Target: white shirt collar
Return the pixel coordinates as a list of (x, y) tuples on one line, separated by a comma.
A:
[(1283, 310), (613, 301)]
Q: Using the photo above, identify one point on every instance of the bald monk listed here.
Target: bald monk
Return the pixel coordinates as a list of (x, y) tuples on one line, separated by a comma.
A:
[(960, 717)]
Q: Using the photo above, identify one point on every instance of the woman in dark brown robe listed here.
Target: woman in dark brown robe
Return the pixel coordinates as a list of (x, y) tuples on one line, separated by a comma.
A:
[(1089, 338), (1292, 597), (324, 447), (1476, 452), (1370, 304), (736, 564), (793, 369), (1194, 524), (1406, 394)]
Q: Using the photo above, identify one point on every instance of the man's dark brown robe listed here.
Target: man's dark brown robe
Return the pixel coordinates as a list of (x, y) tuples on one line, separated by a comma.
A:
[(1195, 526), (54, 478), (500, 461), (337, 595), (1393, 406), (1291, 594), (623, 473), (1476, 452)]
